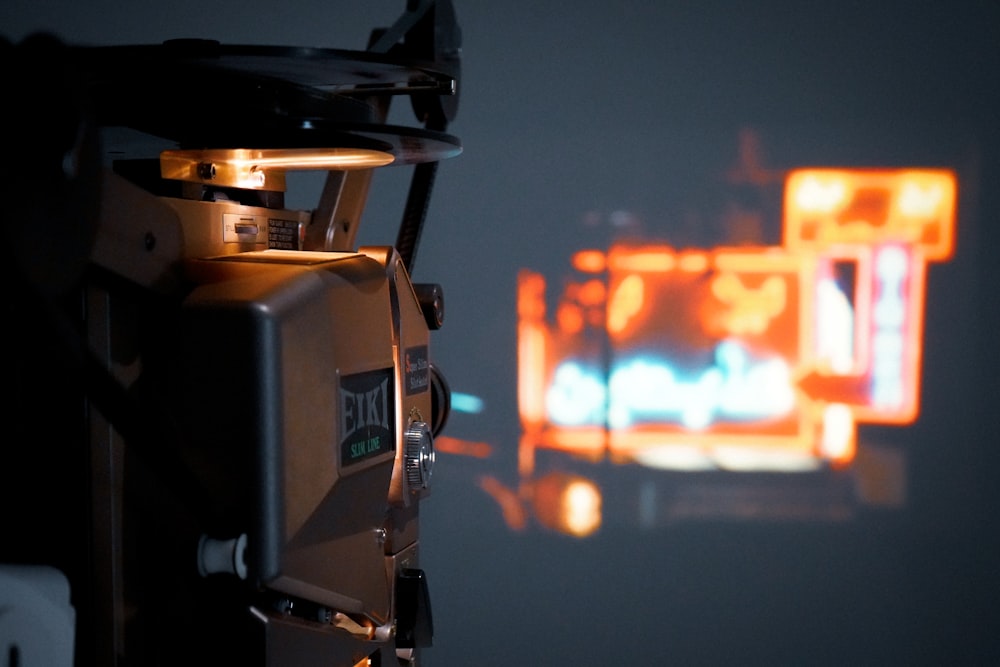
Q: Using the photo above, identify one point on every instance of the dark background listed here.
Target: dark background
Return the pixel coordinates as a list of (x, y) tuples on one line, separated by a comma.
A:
[(577, 115)]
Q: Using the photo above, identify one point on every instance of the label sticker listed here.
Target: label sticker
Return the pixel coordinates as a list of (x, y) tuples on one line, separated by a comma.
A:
[(367, 416), (416, 370), (284, 234)]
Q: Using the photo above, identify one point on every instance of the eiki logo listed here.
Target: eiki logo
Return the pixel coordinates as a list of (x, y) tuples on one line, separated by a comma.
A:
[(367, 415)]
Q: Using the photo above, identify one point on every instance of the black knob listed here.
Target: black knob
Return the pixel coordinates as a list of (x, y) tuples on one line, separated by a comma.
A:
[(431, 299)]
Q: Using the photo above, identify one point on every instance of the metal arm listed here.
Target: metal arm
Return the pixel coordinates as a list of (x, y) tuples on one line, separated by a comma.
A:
[(427, 31)]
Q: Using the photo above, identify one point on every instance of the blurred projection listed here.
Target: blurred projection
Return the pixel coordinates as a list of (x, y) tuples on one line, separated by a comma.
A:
[(753, 359)]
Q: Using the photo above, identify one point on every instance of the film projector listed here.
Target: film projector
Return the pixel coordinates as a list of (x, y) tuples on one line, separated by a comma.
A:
[(223, 412)]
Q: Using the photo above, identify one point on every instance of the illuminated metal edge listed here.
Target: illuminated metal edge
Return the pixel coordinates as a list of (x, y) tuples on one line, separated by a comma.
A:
[(262, 168)]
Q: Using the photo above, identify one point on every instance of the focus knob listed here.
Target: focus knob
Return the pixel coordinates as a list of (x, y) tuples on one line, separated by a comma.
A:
[(419, 456)]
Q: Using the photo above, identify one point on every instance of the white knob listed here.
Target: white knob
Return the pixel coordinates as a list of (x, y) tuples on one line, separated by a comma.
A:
[(227, 556)]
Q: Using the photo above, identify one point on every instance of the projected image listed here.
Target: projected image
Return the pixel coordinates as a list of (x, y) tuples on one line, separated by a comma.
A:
[(760, 359)]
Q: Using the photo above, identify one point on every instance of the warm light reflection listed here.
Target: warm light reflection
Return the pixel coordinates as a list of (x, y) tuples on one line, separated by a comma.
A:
[(262, 168), (566, 503), (762, 358), (448, 445), (678, 456)]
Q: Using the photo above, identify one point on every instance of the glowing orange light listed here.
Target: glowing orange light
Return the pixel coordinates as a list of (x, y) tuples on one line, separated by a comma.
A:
[(818, 193), (626, 301), (449, 445), (749, 358), (589, 261), (531, 347), (531, 359), (582, 508), (531, 296), (567, 503), (837, 442), (588, 441), (749, 310), (867, 206), (570, 318), (648, 259), (695, 262), (512, 508), (592, 293)]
